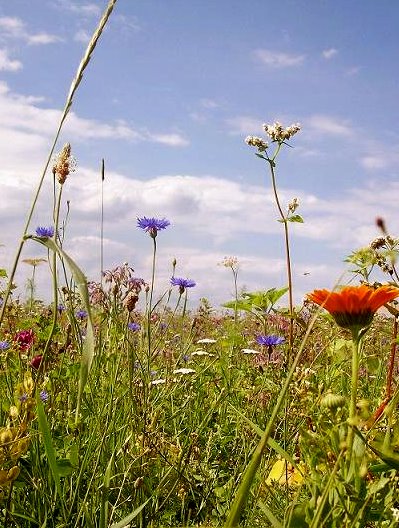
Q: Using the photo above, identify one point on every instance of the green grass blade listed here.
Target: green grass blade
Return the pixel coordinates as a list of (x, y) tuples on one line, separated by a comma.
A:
[(124, 522), (105, 494), (48, 447), (271, 518)]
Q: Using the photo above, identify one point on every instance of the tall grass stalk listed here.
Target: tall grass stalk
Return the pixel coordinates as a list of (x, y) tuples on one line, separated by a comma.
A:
[(68, 104)]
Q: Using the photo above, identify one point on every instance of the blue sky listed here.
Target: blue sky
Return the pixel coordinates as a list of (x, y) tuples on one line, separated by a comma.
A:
[(171, 92)]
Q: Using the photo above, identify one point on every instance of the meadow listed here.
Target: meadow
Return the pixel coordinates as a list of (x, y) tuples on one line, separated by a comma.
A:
[(122, 407)]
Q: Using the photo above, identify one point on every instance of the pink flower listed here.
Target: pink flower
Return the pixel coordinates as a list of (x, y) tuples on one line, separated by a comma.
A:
[(24, 339), (36, 361)]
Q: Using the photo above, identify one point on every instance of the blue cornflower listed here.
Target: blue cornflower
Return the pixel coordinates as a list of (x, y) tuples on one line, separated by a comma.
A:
[(61, 308), (81, 314), (182, 283), (152, 225), (44, 396), (134, 327), (4, 345), (23, 397), (45, 232), (270, 340)]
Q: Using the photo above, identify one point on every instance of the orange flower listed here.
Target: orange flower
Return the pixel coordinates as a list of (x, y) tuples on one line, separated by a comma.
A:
[(354, 307)]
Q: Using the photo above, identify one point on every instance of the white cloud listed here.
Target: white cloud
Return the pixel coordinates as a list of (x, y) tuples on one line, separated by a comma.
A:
[(329, 53), (7, 64), (20, 115), (88, 9), (42, 38), (82, 36), (15, 28), (245, 125), (172, 140), (374, 162), (329, 125), (277, 59)]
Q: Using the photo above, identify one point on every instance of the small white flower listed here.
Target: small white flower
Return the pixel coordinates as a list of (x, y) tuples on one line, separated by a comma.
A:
[(184, 371), (158, 381), (202, 353), (395, 513), (206, 341), (249, 351)]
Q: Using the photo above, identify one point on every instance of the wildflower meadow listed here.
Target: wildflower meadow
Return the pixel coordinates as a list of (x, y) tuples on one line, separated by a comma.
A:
[(125, 407)]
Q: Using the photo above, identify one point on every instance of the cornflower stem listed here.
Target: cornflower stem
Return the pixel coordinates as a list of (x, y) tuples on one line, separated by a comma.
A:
[(54, 276), (149, 306), (356, 348), (287, 249)]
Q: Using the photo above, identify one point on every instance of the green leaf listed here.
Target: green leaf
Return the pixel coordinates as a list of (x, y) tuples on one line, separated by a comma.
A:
[(89, 342), (387, 455), (295, 218), (48, 446), (64, 467), (3, 273), (271, 518)]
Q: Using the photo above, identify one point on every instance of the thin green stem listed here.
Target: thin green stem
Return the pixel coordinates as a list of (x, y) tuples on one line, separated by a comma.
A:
[(287, 253), (149, 305), (356, 346), (54, 276)]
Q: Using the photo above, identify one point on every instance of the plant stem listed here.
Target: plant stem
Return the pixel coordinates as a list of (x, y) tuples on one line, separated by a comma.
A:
[(356, 346), (287, 252)]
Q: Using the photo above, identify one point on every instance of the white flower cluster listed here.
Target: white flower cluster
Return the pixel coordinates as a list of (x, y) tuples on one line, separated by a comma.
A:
[(259, 143), (278, 133), (230, 262)]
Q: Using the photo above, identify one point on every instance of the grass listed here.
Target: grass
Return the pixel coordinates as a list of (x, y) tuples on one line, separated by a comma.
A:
[(123, 409)]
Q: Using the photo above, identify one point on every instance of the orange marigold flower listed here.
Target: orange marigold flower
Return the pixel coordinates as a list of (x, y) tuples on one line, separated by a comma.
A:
[(354, 307)]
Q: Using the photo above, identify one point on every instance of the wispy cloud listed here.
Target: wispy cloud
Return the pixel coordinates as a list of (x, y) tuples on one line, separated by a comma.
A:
[(21, 115), (329, 53), (172, 140), (7, 64), (329, 125), (87, 9), (278, 59), (15, 28), (244, 125)]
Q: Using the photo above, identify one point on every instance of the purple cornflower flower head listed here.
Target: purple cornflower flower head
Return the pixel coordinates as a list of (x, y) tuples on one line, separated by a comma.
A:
[(44, 396), (23, 397), (4, 345), (134, 327), (45, 232), (152, 225), (182, 283), (60, 308), (81, 314), (270, 340), (153, 373), (186, 358)]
